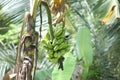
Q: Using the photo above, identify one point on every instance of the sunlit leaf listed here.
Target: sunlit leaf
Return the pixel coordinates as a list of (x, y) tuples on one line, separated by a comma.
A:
[(69, 65), (84, 48)]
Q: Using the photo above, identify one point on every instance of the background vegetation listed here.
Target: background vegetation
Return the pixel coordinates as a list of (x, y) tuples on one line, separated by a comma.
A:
[(93, 29)]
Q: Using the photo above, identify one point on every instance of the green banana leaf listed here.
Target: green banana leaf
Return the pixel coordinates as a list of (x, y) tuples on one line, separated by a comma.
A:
[(44, 74), (69, 64), (84, 49)]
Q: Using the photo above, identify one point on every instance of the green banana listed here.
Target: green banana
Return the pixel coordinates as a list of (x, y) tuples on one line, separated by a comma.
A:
[(57, 54), (50, 53), (58, 41), (63, 45), (54, 59), (44, 42), (62, 35), (54, 42), (47, 36), (49, 45), (58, 33), (56, 48)]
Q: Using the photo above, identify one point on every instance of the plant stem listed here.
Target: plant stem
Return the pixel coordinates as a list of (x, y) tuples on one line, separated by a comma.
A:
[(19, 50), (49, 18)]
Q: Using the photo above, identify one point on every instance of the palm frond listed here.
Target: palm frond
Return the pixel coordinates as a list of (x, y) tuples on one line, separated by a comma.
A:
[(7, 58), (12, 12), (14, 9)]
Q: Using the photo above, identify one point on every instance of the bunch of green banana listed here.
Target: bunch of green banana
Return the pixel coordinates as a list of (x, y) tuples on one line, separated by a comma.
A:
[(58, 47)]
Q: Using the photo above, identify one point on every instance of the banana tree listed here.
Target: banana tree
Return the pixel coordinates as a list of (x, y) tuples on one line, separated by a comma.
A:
[(29, 41), (93, 29)]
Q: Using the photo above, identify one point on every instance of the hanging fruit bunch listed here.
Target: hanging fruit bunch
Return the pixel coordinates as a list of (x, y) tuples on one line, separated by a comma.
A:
[(55, 43), (58, 47)]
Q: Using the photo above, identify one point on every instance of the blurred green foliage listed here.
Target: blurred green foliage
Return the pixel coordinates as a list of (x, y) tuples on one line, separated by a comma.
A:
[(93, 44)]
